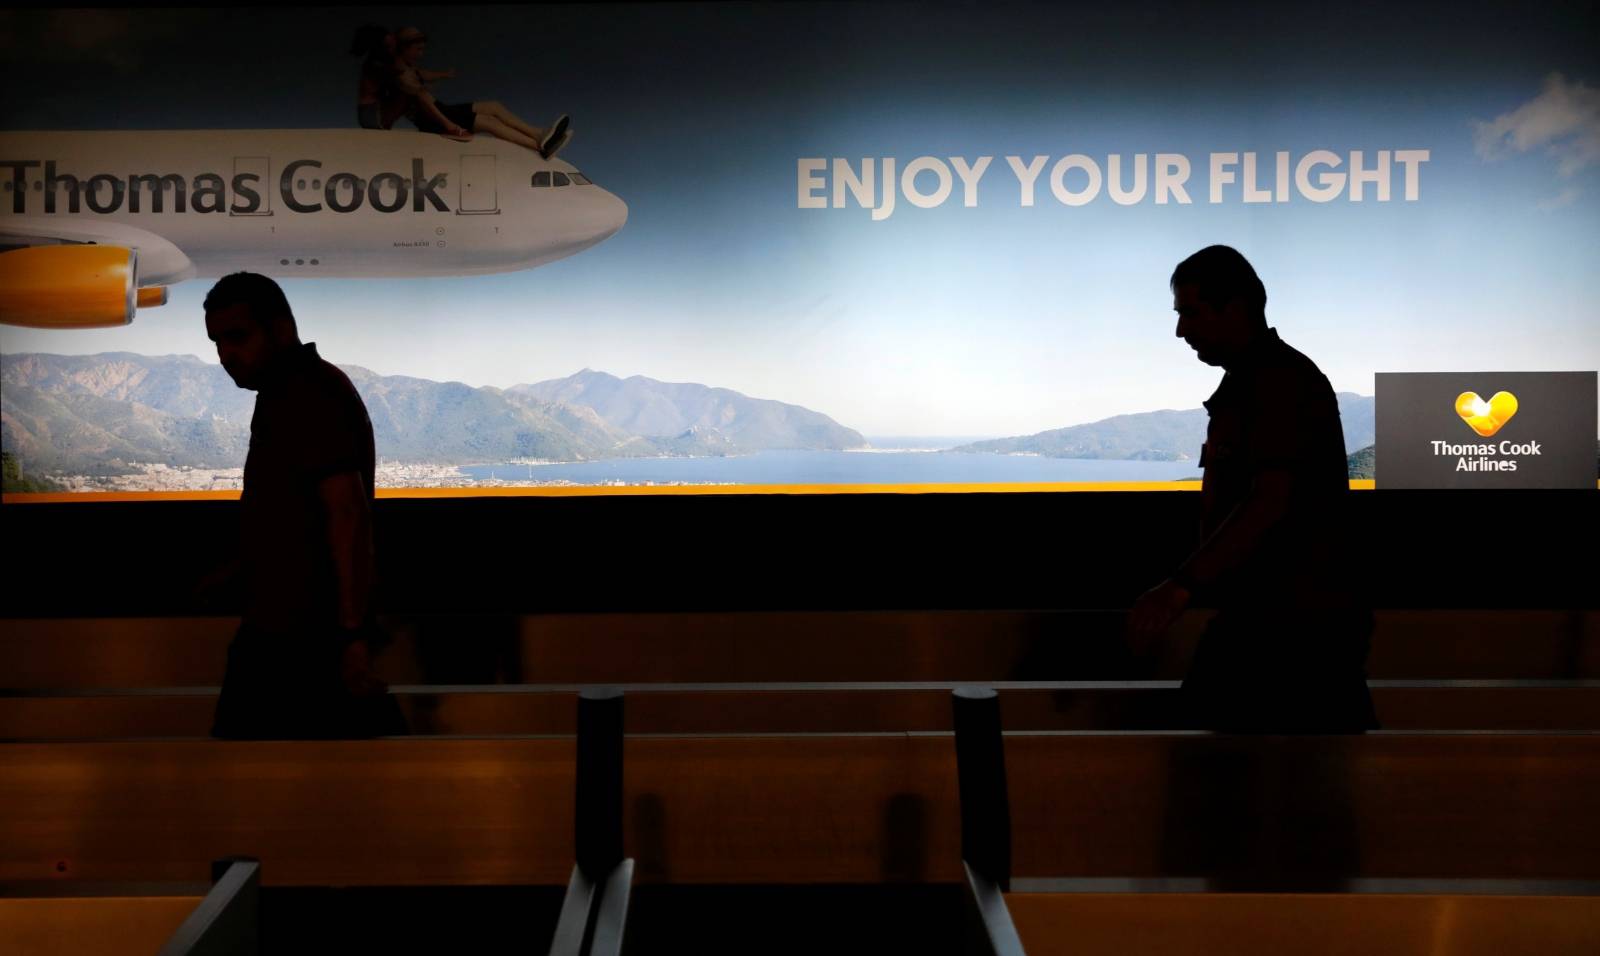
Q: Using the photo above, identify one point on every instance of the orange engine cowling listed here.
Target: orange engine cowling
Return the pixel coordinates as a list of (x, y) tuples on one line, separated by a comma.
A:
[(77, 286)]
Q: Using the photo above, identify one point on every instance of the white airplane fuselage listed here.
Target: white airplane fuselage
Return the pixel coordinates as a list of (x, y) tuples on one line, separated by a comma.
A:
[(300, 203)]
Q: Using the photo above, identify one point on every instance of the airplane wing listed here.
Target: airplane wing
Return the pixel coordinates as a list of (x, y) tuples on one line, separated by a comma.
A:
[(160, 262)]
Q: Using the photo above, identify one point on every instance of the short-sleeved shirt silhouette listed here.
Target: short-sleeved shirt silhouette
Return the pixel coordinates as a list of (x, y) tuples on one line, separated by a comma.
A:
[(1287, 651), (1275, 410), (309, 424)]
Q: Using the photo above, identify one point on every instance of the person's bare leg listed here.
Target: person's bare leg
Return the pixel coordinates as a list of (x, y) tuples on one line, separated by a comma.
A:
[(498, 110), (492, 126)]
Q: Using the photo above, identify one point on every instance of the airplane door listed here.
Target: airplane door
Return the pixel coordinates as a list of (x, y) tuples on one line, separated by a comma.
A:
[(478, 194), (259, 167)]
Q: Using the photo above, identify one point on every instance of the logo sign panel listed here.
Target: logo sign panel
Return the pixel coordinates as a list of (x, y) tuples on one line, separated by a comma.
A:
[(1486, 430)]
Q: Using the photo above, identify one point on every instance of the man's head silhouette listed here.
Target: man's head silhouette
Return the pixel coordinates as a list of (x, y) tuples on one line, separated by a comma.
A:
[(250, 320), (1221, 304)]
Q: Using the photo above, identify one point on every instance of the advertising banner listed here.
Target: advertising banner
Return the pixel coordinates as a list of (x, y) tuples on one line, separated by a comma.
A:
[(779, 245)]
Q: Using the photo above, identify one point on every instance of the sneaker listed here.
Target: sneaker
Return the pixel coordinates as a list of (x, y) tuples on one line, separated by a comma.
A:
[(557, 128), (555, 146)]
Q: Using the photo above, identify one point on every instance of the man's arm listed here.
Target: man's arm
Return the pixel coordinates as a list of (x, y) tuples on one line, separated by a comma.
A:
[(344, 502), (1238, 537), (1240, 534), (428, 76)]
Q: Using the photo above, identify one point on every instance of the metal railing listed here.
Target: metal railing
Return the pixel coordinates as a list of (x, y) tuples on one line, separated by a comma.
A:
[(227, 922)]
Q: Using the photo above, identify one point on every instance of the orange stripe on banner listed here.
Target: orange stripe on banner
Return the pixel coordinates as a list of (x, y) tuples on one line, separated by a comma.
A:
[(601, 491), (909, 489), (591, 491)]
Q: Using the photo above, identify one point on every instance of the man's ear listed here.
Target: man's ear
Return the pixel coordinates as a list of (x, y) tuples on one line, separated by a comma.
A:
[(283, 330), (1240, 315)]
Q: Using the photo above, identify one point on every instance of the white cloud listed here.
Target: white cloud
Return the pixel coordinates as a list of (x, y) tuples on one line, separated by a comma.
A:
[(1566, 197), (1564, 119)]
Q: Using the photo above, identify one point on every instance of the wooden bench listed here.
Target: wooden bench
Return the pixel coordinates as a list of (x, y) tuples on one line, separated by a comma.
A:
[(171, 920), (1006, 923), (91, 925), (1248, 924), (715, 673), (802, 809), (970, 646)]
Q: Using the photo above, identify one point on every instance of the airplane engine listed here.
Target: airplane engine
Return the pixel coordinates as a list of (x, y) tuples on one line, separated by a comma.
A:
[(69, 286)]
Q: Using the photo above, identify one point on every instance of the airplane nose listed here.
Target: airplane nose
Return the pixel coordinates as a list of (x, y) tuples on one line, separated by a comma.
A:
[(611, 214)]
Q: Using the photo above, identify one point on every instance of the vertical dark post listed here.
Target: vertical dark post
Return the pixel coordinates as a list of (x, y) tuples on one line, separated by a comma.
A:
[(594, 913), (981, 775), (599, 789)]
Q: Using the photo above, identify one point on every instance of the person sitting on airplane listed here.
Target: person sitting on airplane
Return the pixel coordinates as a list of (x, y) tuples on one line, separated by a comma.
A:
[(461, 120), (378, 102)]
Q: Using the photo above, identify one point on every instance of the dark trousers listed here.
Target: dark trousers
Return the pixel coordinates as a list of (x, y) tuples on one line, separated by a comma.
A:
[(287, 686), (1282, 671), (1270, 815)]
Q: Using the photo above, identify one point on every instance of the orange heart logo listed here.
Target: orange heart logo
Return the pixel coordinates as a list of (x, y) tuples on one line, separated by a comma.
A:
[(1483, 417)]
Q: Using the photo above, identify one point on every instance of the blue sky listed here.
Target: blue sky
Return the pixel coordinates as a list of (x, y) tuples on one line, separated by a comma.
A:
[(987, 321)]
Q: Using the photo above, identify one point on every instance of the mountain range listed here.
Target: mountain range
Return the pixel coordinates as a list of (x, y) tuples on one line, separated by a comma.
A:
[(1166, 435), (98, 414)]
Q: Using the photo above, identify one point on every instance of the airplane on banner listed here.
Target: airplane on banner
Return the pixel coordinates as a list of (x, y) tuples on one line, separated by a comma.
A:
[(95, 225)]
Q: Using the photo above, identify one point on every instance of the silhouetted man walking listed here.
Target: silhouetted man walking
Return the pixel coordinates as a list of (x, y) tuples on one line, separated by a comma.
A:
[(300, 663), (1287, 650)]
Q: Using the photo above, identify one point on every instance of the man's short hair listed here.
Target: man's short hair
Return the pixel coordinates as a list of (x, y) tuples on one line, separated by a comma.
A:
[(264, 297), (1221, 275)]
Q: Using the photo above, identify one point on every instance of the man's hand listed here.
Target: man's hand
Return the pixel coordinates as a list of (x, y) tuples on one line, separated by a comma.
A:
[(356, 671), (1153, 613)]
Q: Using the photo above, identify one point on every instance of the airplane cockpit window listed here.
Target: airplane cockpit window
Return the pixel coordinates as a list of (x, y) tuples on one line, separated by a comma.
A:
[(549, 177)]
